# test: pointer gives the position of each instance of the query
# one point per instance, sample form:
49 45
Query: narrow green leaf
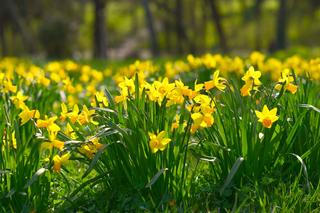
155 178
109 97
94 161
309 106
231 174
304 167
35 177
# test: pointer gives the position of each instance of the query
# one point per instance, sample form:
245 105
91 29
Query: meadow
202 133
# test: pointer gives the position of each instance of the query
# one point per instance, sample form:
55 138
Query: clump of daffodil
8 87
257 59
194 62
158 90
28 114
142 68
69 131
53 142
99 100
73 115
127 89
58 161
19 99
64 112
89 149
216 82
209 61
314 69
48 123
158 142
286 82
86 116
178 94
267 117
201 112
176 123
175 68
252 82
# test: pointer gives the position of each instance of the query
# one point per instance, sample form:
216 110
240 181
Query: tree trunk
203 26
150 25
99 40
2 39
20 24
216 17
281 37
257 14
193 40
180 30
167 35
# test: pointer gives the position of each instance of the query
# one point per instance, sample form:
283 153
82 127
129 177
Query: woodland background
119 29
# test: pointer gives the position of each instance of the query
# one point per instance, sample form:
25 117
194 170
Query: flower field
207 133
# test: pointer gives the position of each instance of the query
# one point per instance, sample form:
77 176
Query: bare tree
100 35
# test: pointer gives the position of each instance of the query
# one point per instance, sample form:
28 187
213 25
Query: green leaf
35 177
231 174
309 106
304 167
155 178
95 160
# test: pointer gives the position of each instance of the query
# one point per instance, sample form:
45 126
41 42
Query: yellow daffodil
158 142
101 100
216 81
48 123
252 82
58 161
266 117
28 114
53 142
201 120
86 116
64 112
18 100
90 148
9 87
70 132
73 116
286 82
176 122
252 77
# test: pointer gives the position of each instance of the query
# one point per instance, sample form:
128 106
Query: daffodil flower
158 142
18 100
286 82
48 123
28 114
266 117
216 81
58 161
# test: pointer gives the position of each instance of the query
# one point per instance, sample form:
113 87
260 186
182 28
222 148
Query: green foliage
234 165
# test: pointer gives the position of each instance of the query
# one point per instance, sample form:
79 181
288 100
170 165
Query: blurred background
120 29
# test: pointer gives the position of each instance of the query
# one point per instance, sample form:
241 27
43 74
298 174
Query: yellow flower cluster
74 87
252 82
